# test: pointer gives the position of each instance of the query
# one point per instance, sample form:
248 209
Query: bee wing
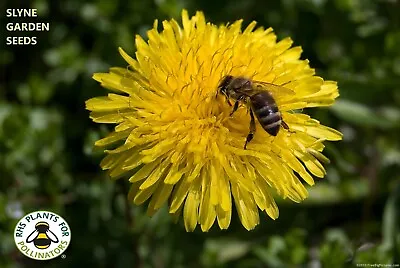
32 236
275 90
52 236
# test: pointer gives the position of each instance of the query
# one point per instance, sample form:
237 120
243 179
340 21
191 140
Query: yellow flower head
177 140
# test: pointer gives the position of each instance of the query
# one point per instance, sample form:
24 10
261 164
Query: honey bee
259 97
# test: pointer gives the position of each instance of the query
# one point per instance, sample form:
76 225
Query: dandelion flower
177 141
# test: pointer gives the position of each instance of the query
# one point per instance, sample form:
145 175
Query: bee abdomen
270 119
271 123
42 243
266 110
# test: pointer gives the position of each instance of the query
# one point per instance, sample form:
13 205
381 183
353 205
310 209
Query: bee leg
235 107
285 126
252 128
237 104
226 97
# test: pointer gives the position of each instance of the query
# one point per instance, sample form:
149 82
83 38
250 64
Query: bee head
42 227
223 85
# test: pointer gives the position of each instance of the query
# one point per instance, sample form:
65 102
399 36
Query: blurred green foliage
47 159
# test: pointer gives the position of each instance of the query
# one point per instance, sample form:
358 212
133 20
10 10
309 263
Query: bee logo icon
42 236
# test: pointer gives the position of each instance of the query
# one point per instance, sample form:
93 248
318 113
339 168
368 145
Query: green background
47 158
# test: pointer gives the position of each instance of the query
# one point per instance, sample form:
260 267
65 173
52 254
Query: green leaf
391 222
362 115
227 249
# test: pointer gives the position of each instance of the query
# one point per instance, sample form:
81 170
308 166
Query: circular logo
42 235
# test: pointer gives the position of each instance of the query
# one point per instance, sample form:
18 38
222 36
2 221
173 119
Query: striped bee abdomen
266 110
